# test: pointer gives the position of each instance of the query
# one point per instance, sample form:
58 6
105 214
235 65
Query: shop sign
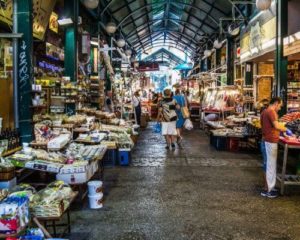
291 44
49 66
41 14
86 44
54 52
238 52
95 60
53 24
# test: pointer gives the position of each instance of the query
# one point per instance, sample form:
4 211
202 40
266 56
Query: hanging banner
42 10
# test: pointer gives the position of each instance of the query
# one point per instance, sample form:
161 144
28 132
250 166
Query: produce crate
124 157
220 143
233 144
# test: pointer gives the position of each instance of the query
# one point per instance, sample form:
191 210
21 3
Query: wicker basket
54 209
7 173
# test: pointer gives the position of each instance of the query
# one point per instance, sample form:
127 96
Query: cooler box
124 157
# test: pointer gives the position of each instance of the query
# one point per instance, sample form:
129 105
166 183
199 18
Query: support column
208 64
229 61
281 61
71 34
25 68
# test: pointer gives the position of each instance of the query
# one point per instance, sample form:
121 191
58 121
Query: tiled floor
191 193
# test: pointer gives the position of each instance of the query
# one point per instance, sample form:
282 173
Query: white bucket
95 187
95 201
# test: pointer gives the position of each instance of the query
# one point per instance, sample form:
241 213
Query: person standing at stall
109 103
137 107
167 116
269 145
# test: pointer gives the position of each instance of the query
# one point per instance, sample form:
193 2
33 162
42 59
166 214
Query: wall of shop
293 16
265 69
6 102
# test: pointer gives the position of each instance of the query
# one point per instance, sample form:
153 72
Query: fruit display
290 117
294 126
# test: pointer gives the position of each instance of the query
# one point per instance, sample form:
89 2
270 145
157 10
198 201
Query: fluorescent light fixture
65 21
94 43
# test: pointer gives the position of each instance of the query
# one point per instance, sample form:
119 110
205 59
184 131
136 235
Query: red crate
233 144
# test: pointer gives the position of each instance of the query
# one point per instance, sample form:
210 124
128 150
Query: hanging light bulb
128 52
217 44
263 4
110 27
91 4
234 29
121 42
207 53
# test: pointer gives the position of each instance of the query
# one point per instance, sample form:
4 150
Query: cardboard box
76 178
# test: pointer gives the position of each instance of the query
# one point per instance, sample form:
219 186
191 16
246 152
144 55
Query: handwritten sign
23 66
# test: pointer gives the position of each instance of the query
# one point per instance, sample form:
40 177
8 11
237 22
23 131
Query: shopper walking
167 115
180 100
137 107
109 103
269 145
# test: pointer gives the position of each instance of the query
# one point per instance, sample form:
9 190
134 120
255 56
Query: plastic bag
188 125
157 128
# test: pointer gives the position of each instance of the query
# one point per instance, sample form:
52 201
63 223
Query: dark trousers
138 113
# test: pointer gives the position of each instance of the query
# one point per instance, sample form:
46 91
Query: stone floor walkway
191 193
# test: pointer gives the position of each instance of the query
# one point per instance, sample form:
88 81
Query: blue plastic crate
124 157
110 158
220 143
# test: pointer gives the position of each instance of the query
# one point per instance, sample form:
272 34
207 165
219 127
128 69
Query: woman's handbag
185 112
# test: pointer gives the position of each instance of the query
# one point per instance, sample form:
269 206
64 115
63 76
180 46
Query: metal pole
15 65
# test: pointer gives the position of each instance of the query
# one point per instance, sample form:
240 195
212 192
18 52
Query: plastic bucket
96 201
95 187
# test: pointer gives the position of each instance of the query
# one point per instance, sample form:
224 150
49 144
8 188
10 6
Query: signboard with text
41 11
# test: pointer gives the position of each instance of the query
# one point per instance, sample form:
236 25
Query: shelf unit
293 87
97 92
248 91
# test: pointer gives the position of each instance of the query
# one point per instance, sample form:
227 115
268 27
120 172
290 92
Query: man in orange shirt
270 136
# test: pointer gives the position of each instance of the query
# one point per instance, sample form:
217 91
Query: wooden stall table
283 178
55 222
87 142
98 175
38 145
10 152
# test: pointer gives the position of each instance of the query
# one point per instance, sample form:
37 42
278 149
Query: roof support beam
167 31
183 4
189 51
191 15
208 13
181 22
166 16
